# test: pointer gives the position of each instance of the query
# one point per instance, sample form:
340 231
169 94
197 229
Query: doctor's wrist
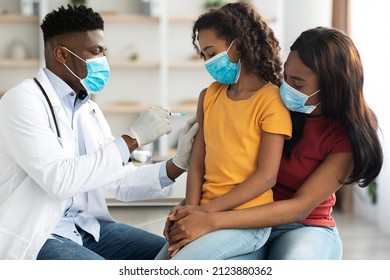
173 171
131 143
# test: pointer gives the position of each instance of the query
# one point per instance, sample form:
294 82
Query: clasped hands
185 224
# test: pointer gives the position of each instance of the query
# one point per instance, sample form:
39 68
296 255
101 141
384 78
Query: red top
321 136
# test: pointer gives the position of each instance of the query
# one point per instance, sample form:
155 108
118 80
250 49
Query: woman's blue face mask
295 100
98 73
222 69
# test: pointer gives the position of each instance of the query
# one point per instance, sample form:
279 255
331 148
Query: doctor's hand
184 146
151 125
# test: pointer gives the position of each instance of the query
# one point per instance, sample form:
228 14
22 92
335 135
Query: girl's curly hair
258 48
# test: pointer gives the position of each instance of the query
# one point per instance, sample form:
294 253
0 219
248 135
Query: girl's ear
235 51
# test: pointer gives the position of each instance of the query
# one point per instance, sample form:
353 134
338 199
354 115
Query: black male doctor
58 157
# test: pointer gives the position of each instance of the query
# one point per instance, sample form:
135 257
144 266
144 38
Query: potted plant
213 4
78 2
365 202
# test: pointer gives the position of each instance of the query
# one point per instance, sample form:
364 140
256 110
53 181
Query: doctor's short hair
73 19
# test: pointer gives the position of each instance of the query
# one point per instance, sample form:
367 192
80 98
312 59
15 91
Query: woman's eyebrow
206 48
298 78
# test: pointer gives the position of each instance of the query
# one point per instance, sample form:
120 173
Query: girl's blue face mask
222 69
295 100
98 73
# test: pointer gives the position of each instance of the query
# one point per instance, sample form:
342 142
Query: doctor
58 156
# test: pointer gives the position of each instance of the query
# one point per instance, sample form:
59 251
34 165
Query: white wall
300 15
293 17
370 32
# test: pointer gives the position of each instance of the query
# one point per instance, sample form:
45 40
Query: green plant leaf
372 192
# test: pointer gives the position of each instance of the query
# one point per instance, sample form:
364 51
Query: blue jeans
220 245
296 241
117 242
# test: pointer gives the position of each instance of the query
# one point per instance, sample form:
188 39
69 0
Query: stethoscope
81 95
50 106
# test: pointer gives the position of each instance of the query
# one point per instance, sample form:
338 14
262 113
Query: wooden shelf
18 18
269 19
134 18
178 64
18 63
184 108
151 202
134 64
192 19
126 18
123 108
129 108
189 64
182 19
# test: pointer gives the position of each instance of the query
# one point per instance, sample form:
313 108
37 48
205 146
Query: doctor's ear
60 54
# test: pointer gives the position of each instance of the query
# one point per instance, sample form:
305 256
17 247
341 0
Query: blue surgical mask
98 73
222 69
295 100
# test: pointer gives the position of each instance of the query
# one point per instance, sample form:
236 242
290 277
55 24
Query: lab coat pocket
12 246
93 133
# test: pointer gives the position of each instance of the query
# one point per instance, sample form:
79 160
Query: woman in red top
334 143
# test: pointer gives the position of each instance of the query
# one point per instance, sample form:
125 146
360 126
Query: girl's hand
179 212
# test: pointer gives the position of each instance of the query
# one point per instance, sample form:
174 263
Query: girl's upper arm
196 166
270 154
199 109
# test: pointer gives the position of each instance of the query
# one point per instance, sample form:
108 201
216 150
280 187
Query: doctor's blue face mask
98 73
222 69
295 100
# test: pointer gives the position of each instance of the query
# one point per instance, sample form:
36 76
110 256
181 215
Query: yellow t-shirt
232 135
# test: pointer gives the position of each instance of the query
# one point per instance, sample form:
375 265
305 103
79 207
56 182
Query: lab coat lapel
92 134
94 138
64 125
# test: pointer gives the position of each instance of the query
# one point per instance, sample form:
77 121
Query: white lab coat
39 171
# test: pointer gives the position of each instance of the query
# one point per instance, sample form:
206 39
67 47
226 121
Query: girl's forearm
254 186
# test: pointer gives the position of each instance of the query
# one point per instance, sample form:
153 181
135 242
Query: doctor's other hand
151 125
184 146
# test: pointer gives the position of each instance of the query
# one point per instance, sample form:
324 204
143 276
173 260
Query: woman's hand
170 221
